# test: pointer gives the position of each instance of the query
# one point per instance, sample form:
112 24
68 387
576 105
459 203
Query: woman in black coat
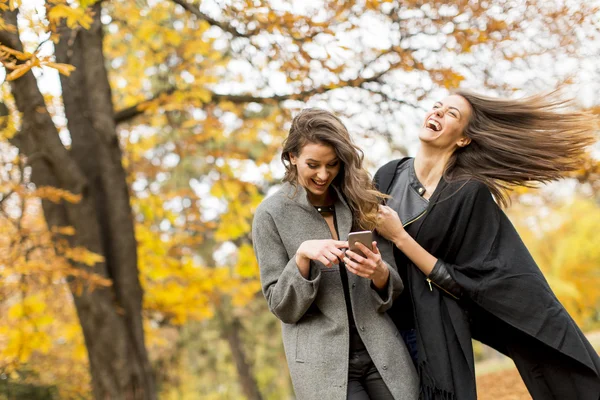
467 271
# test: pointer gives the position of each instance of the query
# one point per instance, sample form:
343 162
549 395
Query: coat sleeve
288 293
383 298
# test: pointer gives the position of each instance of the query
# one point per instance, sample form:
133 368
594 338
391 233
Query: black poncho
507 304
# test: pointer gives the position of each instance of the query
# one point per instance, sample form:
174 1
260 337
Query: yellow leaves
30 315
86 3
64 230
73 16
245 293
83 255
7 127
56 195
247 266
31 306
563 242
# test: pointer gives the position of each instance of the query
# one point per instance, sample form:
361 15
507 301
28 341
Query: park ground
499 379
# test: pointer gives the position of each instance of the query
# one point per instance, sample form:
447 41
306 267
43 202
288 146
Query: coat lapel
342 209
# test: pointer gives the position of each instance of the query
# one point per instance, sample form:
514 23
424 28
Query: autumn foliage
138 137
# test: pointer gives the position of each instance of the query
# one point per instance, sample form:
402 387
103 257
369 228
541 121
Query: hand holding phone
371 267
364 237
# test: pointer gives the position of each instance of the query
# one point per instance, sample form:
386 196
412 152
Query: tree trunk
110 317
231 332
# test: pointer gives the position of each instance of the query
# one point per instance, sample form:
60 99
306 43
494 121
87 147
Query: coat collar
298 194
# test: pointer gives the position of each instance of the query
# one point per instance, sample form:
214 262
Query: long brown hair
520 142
313 125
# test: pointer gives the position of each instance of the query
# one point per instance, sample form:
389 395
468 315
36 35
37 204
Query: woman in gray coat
338 339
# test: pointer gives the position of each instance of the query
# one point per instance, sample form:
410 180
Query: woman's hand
389 225
326 251
371 266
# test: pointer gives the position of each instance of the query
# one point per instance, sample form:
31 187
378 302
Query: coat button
384 367
421 190
362 328
353 285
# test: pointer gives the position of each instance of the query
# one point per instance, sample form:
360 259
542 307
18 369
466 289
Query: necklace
325 209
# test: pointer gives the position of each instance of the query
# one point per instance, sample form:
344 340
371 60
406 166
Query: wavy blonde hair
313 125
519 142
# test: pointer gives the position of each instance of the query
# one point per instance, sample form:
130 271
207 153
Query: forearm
417 254
290 295
435 270
381 281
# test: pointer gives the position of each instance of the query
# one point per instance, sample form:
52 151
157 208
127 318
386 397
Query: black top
356 342
408 201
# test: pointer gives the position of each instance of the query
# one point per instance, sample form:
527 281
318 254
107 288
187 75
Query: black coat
508 303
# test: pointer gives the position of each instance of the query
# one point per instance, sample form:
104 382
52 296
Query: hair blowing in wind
520 142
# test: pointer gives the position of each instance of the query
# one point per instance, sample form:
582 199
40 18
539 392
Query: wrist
300 258
381 281
400 239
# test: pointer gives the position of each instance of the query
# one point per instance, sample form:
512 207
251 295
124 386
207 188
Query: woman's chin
427 135
318 189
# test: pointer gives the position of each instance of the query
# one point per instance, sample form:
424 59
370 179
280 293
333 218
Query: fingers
372 254
375 248
340 244
355 257
331 258
323 260
365 250
336 251
328 259
358 269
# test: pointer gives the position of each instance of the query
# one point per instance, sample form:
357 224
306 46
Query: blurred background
137 138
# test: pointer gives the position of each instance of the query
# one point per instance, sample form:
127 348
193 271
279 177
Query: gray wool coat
317 344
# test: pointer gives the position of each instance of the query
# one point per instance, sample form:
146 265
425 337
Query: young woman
339 341
467 272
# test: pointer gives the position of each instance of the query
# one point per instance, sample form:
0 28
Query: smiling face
444 125
317 165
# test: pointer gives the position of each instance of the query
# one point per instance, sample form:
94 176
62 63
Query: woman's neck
430 165
322 200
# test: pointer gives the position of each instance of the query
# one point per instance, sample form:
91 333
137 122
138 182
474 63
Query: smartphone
364 237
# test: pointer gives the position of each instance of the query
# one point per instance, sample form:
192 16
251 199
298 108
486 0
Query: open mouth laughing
433 125
318 183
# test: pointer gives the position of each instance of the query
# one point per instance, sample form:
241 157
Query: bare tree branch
129 113
222 25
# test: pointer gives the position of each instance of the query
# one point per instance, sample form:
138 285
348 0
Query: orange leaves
447 78
64 69
31 60
56 195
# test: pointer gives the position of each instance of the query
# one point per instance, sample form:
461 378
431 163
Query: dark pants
364 381
410 339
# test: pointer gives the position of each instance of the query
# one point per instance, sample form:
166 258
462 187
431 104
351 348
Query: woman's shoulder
468 189
277 201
